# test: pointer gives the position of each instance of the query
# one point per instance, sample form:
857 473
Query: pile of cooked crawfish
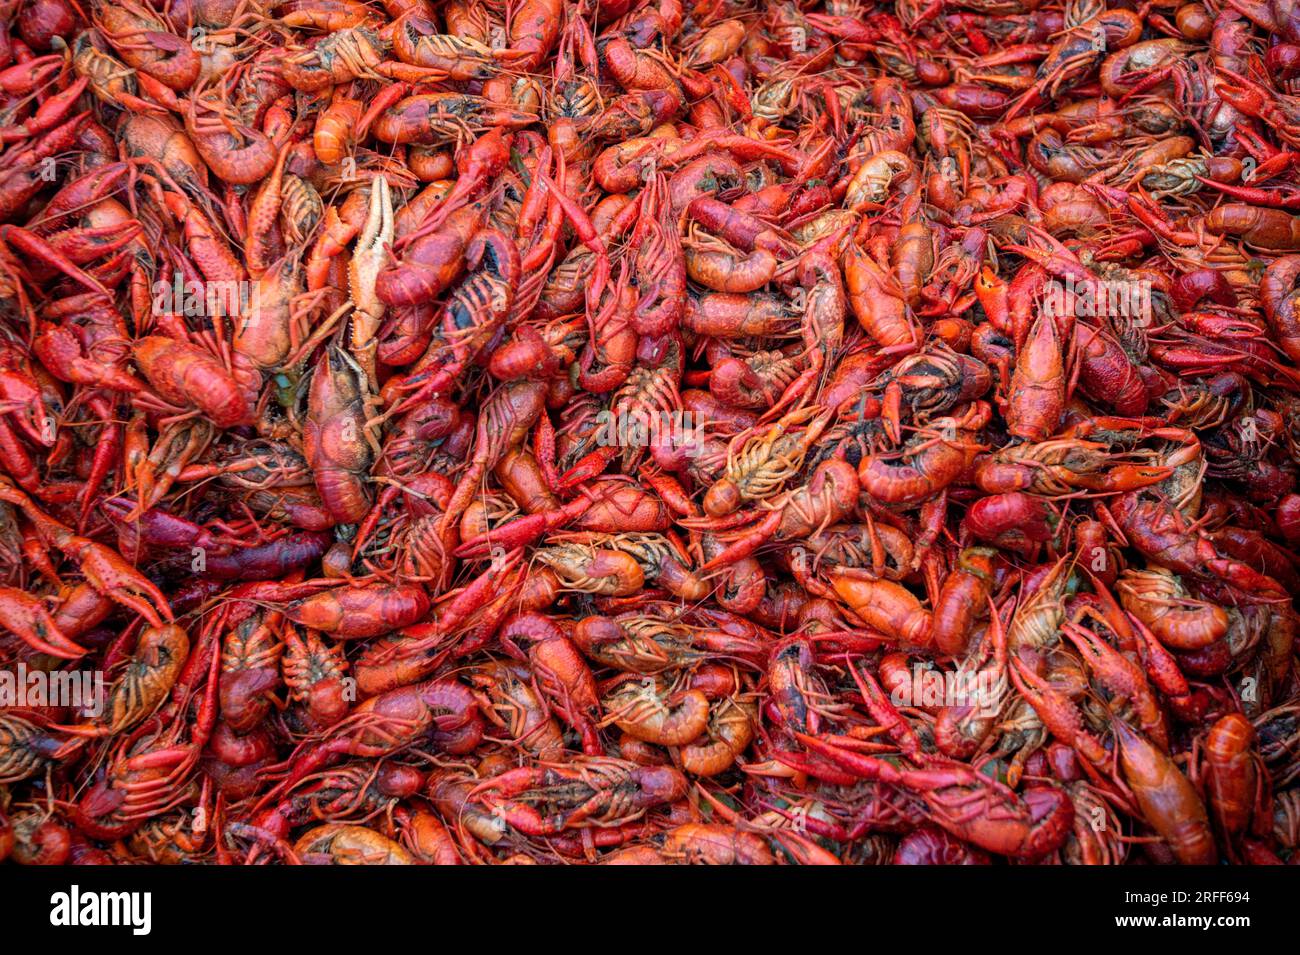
649 431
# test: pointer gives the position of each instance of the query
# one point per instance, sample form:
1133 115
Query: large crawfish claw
119 581
24 615
369 257
370 254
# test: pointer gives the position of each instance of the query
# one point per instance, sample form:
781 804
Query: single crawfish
661 267
339 844
1236 780
266 334
967 803
1120 681
507 699
354 792
961 730
588 792
151 770
186 375
361 610
412 539
430 263
883 550
765 462
236 153
478 307
932 382
660 561
301 210
717 264
144 41
732 725
1168 801
1091 844
1077 53
335 59
590 569
828 497
650 394
1039 616
35 836
26 750
651 710
430 119
416 41
450 793
1157 598
335 436
714 844
886 607
1164 535
1037 397
443 712
798 693
929 461
637 643
171 839
758 380
608 357
1059 466
111 80
963 597
145 682
313 670
250 669
505 419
